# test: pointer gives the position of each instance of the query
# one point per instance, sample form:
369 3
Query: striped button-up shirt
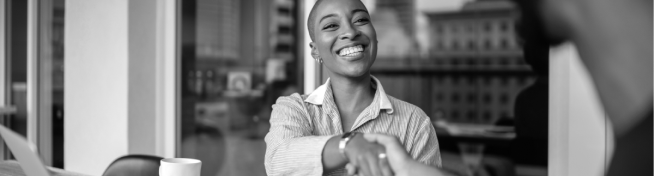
302 124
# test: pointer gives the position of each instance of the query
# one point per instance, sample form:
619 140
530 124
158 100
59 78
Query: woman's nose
349 32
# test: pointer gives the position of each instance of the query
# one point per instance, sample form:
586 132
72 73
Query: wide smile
353 52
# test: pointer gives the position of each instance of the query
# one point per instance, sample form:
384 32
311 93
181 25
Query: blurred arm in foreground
614 41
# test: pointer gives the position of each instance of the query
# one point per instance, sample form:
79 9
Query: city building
474 69
478 51
283 37
480 27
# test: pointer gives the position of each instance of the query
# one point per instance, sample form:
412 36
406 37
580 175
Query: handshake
381 155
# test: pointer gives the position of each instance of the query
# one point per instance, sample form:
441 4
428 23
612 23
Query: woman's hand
366 158
398 158
400 161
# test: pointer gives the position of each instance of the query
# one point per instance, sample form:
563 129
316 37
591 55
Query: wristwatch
344 140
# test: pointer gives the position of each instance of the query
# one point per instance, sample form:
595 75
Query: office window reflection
237 57
49 75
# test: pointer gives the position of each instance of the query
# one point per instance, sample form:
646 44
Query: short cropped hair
312 16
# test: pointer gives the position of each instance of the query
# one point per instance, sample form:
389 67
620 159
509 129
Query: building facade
474 69
479 46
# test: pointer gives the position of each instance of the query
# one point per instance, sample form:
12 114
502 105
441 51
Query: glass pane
17 56
50 65
238 56
56 70
51 70
470 76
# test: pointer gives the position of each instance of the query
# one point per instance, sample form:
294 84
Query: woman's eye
362 20
329 26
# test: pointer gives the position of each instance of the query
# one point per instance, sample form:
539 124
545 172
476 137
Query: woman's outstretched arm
400 161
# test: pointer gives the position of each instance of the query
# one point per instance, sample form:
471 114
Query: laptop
28 159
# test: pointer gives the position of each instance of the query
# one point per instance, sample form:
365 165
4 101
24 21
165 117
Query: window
455 98
33 65
488 45
438 29
487 27
472 97
504 44
504 27
238 57
471 45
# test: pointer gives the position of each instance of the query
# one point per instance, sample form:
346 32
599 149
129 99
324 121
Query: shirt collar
317 96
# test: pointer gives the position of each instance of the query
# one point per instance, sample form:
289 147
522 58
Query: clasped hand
366 158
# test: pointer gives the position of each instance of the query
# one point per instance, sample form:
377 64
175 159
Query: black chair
134 165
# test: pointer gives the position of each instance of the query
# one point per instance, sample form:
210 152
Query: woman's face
344 37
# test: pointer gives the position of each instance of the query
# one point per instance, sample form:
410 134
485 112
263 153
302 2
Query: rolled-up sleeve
291 149
425 147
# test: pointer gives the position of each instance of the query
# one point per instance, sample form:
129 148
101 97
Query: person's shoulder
293 99
403 107
400 104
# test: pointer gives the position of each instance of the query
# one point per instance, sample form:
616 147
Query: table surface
12 168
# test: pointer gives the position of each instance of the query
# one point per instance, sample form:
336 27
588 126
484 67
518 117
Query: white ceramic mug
180 167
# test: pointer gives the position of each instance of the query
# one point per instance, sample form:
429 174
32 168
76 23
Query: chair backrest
136 165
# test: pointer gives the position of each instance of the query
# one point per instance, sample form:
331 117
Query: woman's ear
314 51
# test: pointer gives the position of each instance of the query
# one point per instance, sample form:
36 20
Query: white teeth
350 50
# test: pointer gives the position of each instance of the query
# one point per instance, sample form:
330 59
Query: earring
319 60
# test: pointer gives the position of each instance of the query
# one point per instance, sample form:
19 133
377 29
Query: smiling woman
315 133
337 37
